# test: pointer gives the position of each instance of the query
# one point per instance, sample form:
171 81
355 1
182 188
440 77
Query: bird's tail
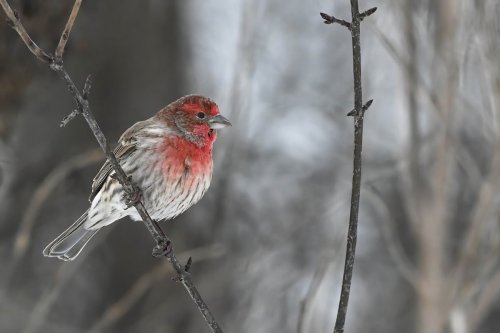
71 242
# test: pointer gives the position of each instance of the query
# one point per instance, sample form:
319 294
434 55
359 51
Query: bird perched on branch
168 156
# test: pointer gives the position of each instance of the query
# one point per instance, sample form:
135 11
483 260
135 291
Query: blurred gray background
268 239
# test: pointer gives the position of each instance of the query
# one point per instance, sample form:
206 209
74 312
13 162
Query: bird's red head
196 118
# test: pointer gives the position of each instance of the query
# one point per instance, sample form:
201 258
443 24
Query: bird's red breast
180 156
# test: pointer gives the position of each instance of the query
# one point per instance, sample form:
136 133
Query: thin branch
359 111
67 31
14 23
86 87
65 121
330 19
164 245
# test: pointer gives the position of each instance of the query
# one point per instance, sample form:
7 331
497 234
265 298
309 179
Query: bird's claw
134 198
162 249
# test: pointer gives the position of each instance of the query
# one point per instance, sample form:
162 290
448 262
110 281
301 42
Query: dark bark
358 114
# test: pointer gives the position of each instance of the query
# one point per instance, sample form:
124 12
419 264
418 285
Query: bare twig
329 19
87 86
65 121
13 21
67 31
164 245
86 92
359 112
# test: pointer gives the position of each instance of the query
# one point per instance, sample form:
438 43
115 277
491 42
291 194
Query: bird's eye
201 115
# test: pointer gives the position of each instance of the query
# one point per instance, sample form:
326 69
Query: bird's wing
126 145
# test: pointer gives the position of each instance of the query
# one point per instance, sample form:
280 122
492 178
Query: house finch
169 156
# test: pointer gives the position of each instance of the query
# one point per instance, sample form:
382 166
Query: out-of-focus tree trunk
432 235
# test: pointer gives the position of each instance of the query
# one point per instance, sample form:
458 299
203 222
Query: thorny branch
164 245
358 113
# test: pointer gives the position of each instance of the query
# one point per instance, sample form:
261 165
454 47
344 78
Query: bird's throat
181 156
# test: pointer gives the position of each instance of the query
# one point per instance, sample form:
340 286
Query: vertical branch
358 114
356 174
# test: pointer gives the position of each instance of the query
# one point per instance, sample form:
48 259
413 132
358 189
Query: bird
168 156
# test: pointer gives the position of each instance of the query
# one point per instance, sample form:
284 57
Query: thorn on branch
162 249
331 19
363 110
187 267
367 13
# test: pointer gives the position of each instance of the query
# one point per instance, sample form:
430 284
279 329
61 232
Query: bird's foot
162 249
134 198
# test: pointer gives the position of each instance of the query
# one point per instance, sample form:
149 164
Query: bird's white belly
163 197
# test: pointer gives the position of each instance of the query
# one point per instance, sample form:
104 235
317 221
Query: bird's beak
218 122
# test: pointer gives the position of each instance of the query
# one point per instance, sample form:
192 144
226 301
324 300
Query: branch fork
86 92
330 19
